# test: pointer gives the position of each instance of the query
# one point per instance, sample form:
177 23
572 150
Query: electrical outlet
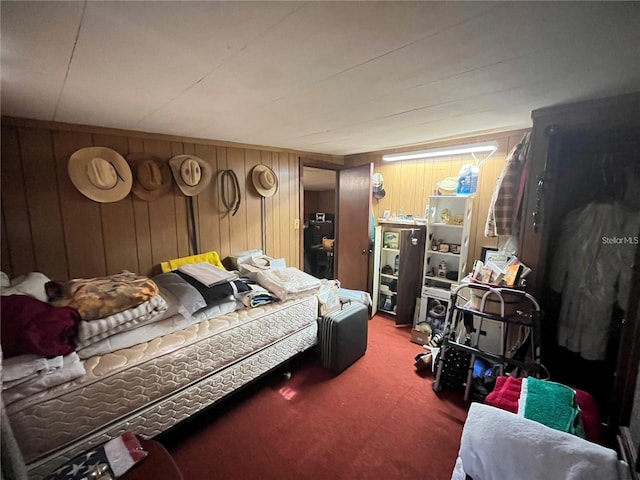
296 224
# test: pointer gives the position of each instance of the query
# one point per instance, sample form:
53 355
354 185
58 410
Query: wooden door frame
324 165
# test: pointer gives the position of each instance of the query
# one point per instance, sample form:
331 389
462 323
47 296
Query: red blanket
32 326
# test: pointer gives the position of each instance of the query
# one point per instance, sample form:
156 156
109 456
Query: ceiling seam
377 57
421 39
222 62
73 51
420 85
414 109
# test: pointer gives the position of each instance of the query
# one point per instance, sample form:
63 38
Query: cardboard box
421 338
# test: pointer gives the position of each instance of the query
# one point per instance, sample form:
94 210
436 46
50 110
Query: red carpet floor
378 419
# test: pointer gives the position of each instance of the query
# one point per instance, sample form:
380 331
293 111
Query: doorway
347 193
319 216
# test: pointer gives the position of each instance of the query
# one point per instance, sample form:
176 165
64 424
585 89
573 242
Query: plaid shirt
508 193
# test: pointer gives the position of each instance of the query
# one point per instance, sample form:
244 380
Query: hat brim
77 170
255 179
135 159
379 192
206 173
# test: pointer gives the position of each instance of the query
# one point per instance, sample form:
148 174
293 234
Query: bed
149 386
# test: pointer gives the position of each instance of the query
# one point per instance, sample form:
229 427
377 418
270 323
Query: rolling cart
480 302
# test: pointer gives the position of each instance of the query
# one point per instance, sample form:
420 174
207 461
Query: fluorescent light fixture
486 147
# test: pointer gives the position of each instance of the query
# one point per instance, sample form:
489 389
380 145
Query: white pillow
31 284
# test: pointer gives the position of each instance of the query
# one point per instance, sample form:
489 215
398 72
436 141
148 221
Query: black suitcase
342 336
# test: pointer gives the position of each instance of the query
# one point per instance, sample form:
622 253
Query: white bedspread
499 445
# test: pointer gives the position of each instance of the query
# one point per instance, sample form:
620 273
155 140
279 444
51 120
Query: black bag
483 384
455 368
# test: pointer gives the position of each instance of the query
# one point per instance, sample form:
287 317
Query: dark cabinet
399 253
579 154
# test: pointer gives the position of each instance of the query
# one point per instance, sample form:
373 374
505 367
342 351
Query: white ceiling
327 77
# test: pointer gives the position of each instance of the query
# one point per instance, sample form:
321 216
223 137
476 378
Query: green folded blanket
551 404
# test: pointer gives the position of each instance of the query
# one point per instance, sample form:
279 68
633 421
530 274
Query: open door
352 236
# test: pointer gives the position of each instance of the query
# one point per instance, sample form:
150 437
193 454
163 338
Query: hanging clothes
508 193
592 270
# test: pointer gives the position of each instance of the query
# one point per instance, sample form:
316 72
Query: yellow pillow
211 257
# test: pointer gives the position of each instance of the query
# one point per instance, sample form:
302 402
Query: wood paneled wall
319 201
48 226
408 184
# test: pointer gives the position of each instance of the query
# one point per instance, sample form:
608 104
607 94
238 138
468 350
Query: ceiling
325 77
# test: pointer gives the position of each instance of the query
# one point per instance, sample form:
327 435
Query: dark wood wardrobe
581 153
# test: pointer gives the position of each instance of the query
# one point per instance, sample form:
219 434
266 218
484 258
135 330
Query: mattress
159 328
151 386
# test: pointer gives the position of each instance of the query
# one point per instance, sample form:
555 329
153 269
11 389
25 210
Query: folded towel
551 404
506 393
256 296
72 367
288 282
27 365
497 445
207 274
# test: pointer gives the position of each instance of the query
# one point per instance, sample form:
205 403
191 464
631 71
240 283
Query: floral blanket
100 297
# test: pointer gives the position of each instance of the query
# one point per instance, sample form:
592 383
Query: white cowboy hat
152 177
378 186
100 173
264 180
192 174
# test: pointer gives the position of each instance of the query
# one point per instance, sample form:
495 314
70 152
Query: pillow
114 458
187 298
32 284
218 292
211 257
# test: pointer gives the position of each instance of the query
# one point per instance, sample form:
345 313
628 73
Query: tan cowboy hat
101 174
192 174
152 177
264 180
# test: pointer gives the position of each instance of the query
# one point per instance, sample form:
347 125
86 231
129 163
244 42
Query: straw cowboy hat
101 174
192 174
152 178
264 180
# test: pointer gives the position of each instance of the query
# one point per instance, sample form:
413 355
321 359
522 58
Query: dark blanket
218 292
32 326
